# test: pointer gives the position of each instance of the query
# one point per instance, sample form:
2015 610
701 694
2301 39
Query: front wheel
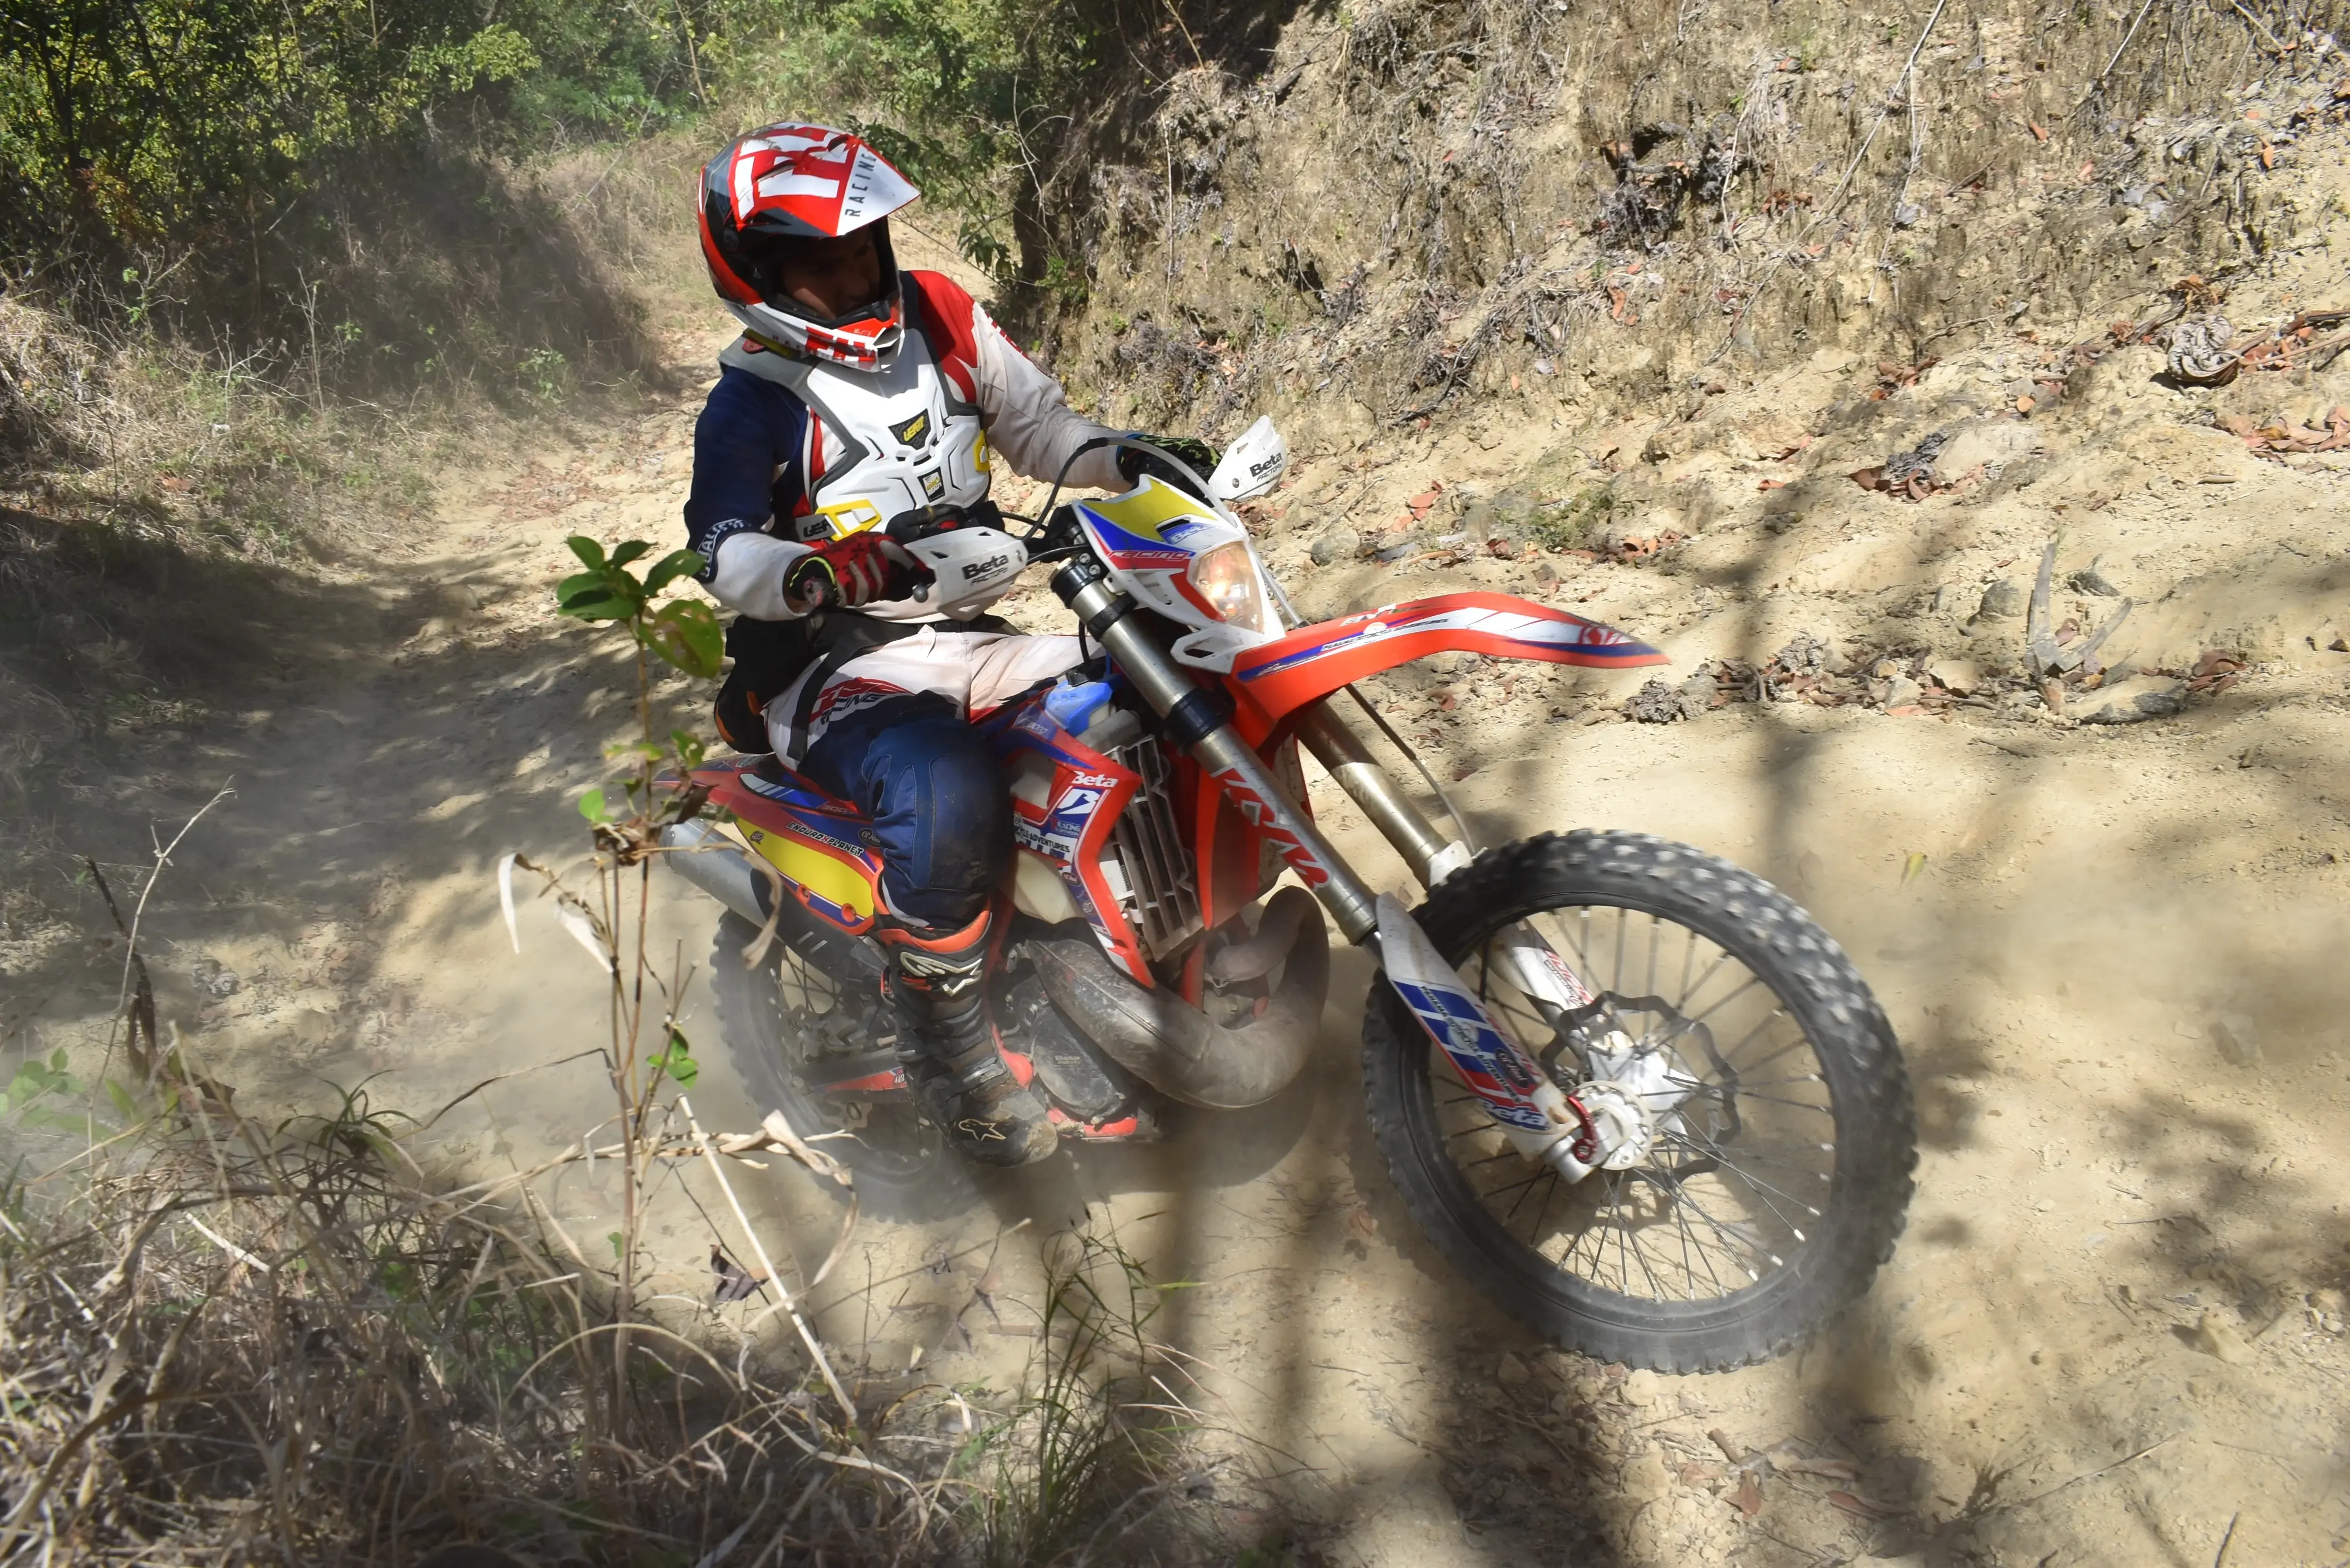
1775 1163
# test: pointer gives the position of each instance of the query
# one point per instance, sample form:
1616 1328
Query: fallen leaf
1772 484
506 898
1748 1500
2025 405
2037 133
730 1280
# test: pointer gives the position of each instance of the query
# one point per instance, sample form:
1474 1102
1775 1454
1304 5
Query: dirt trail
2116 1322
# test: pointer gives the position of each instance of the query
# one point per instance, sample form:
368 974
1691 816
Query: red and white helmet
784 183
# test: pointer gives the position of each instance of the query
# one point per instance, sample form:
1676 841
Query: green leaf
123 1104
599 604
686 633
691 750
590 553
644 749
592 807
634 550
57 1061
677 1061
669 567
614 1239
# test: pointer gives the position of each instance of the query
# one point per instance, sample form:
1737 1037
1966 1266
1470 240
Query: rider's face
833 276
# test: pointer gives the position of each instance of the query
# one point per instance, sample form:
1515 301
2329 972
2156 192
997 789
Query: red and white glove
843 573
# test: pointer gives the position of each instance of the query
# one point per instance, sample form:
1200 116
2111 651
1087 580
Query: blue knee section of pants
937 800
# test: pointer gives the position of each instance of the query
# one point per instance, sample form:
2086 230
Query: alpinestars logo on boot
948 977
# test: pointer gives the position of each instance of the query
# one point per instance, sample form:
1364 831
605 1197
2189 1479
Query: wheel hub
1633 1098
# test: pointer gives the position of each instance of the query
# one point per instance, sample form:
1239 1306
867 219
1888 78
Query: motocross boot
938 986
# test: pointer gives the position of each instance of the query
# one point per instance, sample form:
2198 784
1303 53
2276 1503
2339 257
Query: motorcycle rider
861 397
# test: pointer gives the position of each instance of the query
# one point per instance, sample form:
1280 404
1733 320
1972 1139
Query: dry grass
293 1344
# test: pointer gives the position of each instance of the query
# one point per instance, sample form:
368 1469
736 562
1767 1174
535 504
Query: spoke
1514 1186
1729 1236
1541 1216
1797 1104
1656 1287
1615 1210
1689 992
1747 1177
1776 1213
1751 981
1714 1150
1798 1044
1656 940
1682 1220
1688 962
1615 979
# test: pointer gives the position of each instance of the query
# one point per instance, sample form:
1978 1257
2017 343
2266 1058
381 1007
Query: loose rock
214 978
2238 1037
2215 1336
1963 676
1642 1388
1339 544
2002 600
1513 1373
1646 1479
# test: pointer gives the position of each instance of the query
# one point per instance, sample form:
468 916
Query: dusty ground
2114 1328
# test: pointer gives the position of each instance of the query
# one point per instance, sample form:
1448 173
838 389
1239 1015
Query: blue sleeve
748 429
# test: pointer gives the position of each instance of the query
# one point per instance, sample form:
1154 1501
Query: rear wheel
788 1024
1773 1166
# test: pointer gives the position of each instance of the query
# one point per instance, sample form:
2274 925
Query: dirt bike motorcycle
1629 1090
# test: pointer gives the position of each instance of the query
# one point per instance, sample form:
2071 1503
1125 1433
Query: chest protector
879 442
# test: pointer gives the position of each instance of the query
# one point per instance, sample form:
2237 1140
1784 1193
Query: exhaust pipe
1175 1047
709 860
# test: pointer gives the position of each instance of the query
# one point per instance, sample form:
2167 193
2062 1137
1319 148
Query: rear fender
822 846
1312 661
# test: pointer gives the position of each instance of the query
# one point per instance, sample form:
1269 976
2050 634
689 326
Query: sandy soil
2114 1329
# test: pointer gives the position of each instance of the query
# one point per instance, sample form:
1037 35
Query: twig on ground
784 1300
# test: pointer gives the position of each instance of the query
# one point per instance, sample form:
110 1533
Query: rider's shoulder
941 294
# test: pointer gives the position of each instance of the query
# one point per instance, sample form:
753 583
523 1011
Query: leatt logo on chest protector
934 485
913 431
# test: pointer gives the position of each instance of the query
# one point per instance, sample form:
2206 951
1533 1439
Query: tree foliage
150 124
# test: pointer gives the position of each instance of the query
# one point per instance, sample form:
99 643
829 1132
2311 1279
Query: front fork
1541 1120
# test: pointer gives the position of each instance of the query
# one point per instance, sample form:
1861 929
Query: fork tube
1336 747
1199 719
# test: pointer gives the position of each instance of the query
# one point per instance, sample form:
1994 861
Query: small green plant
35 1081
546 371
1568 524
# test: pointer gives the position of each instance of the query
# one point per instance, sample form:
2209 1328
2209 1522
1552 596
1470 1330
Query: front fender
1279 677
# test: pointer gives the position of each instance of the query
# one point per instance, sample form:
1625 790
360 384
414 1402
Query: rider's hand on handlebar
1134 462
843 573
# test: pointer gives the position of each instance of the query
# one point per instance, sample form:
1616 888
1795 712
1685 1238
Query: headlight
1226 578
